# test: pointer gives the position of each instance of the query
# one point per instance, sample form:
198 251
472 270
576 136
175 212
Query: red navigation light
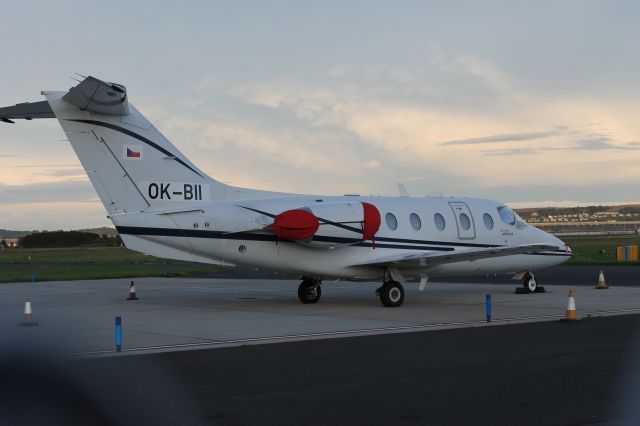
295 225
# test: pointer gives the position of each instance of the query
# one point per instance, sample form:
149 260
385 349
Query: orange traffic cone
27 318
601 282
570 315
132 292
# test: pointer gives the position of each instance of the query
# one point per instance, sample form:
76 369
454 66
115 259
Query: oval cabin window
392 222
415 221
438 219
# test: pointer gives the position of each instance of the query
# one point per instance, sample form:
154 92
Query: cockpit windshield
507 215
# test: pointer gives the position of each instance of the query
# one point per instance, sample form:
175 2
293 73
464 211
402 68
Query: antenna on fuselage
402 190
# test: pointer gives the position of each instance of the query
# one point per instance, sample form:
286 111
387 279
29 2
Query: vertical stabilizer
132 166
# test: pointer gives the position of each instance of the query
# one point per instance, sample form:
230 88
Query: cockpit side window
507 215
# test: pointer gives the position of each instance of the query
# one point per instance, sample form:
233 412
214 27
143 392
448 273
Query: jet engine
329 224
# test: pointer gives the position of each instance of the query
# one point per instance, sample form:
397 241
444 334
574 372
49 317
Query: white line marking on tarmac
215 344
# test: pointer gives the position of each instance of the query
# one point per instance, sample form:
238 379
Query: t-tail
131 165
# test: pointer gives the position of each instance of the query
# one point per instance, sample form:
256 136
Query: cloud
49 192
47 166
599 143
53 215
71 173
512 137
511 151
392 114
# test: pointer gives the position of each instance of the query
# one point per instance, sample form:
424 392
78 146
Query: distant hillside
625 212
105 230
5 233
545 211
57 239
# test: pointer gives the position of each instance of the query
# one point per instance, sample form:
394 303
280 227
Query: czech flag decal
132 152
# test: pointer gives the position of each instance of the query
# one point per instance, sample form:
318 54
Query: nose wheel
309 290
391 294
529 282
530 285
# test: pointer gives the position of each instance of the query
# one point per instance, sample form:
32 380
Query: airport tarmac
187 313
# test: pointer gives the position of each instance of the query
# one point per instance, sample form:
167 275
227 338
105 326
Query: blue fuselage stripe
140 138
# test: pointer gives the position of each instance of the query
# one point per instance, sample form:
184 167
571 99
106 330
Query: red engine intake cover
371 221
295 225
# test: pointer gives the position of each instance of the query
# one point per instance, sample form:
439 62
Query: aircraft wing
425 259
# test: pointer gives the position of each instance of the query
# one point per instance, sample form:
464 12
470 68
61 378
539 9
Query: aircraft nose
562 245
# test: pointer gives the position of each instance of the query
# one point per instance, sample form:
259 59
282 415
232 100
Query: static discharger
132 292
27 318
602 284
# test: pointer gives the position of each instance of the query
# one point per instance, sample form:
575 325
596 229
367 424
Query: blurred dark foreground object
41 385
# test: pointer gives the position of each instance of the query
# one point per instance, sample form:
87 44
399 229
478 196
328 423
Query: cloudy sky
524 102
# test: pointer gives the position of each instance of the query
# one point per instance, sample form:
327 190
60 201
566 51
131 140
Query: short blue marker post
164 269
488 306
33 277
118 334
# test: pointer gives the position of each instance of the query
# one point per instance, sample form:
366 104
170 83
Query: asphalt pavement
550 373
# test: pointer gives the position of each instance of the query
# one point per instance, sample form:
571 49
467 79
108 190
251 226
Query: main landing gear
391 294
309 290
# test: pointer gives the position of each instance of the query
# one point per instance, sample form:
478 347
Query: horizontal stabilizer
99 96
27 111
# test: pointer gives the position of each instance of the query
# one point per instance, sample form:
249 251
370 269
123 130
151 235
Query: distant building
10 242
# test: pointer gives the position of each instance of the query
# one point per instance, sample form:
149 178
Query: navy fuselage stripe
192 233
550 254
139 137
387 239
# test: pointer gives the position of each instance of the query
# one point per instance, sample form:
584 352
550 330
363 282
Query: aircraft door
464 220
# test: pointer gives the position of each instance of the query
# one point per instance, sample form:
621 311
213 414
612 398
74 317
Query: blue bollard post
488 306
118 334
164 269
33 277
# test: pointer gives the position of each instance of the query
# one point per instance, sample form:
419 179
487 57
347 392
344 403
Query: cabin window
507 216
439 221
415 221
392 222
465 222
488 221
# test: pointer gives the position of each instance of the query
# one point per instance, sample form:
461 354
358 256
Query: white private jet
165 206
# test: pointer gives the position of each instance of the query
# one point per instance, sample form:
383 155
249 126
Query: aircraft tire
309 291
529 282
391 294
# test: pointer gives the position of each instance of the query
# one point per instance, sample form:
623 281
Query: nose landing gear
529 285
529 282
309 290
